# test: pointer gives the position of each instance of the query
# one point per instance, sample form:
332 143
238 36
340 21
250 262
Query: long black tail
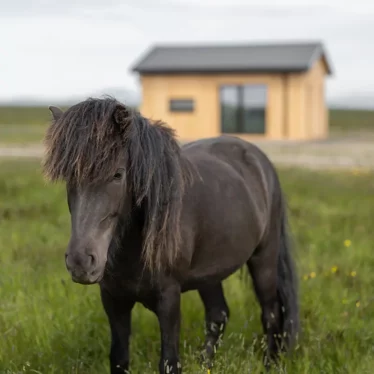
288 284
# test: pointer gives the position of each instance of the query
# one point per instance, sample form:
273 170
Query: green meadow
50 325
23 125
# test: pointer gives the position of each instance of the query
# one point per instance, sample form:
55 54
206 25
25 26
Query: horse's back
244 157
233 160
225 147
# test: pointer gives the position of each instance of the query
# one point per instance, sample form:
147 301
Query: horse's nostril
81 262
92 260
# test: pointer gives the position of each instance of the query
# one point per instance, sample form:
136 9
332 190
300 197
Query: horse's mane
84 146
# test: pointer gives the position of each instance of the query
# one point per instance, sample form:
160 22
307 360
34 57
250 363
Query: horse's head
96 201
112 158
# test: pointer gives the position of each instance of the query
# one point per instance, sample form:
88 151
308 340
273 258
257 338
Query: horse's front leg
119 316
168 313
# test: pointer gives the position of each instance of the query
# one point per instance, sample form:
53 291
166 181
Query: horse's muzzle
84 269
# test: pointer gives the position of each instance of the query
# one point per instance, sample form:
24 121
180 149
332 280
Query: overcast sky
53 49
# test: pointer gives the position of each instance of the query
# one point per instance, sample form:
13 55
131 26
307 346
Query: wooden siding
296 106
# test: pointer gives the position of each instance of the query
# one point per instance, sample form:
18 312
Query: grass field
50 325
21 134
343 121
20 125
23 115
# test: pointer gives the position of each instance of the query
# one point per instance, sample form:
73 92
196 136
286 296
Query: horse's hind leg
216 317
263 269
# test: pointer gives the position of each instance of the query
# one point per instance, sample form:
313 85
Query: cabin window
181 105
243 108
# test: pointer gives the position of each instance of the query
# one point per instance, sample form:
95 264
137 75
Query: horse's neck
189 170
128 237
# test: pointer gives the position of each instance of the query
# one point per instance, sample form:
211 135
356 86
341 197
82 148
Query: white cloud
57 49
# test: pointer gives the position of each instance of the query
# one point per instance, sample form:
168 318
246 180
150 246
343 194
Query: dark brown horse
151 219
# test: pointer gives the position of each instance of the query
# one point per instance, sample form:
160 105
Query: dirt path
317 155
30 151
343 153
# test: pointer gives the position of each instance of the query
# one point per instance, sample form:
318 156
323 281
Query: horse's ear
122 116
56 112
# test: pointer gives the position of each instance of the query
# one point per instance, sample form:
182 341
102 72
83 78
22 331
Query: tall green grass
50 325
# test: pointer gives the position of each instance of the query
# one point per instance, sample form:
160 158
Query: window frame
240 108
173 105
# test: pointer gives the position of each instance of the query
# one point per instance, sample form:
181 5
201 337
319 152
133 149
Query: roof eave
135 68
321 53
219 71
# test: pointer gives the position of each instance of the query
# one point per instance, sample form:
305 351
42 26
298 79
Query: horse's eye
118 176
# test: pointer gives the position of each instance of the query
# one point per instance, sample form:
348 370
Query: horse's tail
287 284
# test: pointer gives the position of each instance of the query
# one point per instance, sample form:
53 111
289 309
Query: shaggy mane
84 146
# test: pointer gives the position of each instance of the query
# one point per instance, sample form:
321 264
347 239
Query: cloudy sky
55 49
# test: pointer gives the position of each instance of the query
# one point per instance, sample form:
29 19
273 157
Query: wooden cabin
273 91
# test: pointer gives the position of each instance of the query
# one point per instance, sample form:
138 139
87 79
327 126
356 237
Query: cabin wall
295 103
204 121
317 111
306 104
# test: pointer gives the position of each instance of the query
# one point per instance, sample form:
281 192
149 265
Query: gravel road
337 153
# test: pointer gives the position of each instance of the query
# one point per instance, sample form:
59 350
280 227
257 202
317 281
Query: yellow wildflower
334 269
347 243
353 273
313 274
357 304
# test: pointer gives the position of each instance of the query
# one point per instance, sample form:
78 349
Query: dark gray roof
274 57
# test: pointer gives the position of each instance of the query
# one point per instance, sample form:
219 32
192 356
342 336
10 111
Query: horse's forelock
84 146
